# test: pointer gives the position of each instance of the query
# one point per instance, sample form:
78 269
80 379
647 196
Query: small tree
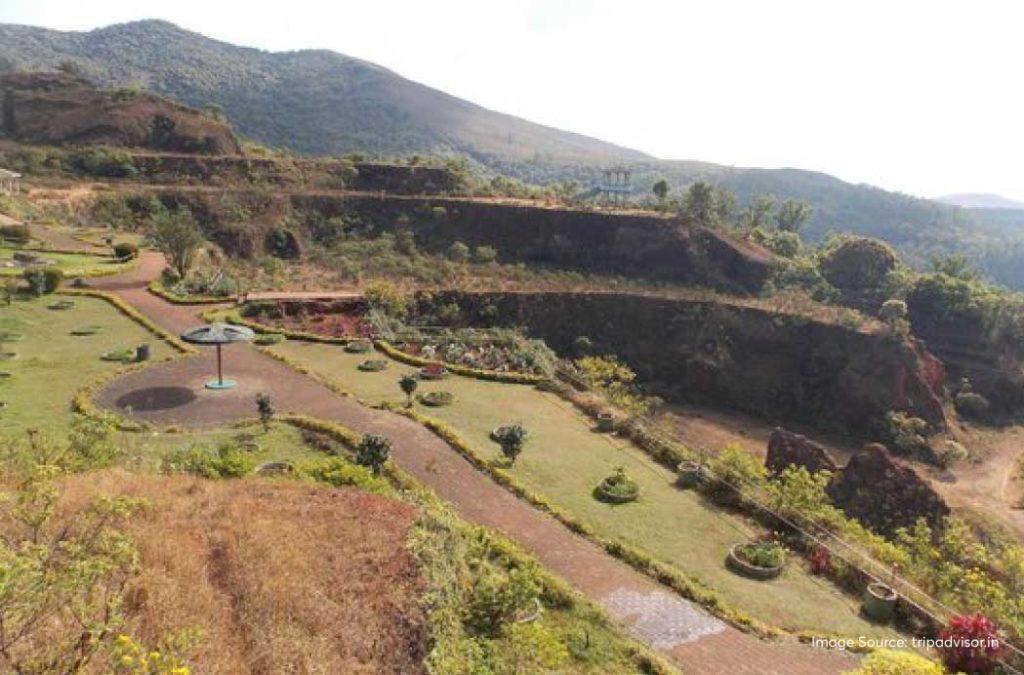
792 214
374 451
265 408
511 439
177 236
408 383
458 252
660 190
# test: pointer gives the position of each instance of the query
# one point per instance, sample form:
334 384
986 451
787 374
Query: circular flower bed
436 399
5 375
123 355
433 372
373 365
86 330
757 560
359 347
617 488
8 356
61 305
11 337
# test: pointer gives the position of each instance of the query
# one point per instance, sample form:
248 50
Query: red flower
973 645
821 560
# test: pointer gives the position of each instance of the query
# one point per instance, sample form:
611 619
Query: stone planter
359 347
879 603
690 474
605 422
740 566
617 489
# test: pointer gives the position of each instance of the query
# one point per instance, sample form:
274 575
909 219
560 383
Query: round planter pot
690 474
879 602
743 568
605 422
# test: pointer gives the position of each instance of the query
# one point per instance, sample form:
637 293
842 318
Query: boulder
786 448
884 495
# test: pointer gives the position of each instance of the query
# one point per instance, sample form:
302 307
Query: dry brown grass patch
281 577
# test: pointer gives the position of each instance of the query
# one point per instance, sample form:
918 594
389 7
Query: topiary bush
125 250
373 365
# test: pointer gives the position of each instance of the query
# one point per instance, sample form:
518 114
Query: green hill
324 103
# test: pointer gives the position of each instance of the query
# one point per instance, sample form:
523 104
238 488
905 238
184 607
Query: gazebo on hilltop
9 182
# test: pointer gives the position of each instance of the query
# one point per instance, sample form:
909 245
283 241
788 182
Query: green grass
564 459
72 264
51 364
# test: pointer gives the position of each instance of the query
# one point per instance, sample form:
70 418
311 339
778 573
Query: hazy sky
922 97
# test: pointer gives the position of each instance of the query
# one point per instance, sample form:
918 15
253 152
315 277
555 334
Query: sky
921 97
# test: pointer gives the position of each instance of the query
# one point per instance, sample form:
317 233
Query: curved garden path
171 394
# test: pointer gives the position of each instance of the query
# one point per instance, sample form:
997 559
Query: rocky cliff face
788 449
774 365
646 246
61 109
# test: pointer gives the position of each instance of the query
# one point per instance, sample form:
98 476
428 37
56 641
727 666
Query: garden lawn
52 365
564 459
72 264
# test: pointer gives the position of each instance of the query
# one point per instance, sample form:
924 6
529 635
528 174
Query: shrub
484 254
265 408
952 453
228 461
408 384
893 662
762 554
511 438
374 451
458 252
907 435
43 280
125 250
976 644
14 234
340 472
387 298
858 264
972 405
734 473
497 598
373 365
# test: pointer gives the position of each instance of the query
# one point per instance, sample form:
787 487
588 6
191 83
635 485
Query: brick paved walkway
696 641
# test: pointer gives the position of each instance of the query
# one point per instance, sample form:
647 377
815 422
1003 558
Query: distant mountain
980 200
325 103
315 102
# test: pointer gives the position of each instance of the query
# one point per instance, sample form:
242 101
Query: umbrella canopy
217 334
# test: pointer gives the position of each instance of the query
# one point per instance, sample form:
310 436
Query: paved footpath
171 393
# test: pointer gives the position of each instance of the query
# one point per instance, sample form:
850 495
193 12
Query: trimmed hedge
159 290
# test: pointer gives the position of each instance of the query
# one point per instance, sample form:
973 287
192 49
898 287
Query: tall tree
792 215
758 212
699 204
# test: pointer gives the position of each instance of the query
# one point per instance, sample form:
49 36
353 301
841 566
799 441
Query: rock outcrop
786 448
884 495
63 109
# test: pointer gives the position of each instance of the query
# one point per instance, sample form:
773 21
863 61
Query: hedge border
133 314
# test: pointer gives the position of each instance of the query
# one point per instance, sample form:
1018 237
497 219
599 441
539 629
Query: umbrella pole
220 372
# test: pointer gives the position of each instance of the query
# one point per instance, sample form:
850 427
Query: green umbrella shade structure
218 334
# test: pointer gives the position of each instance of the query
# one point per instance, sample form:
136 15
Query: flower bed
373 365
433 371
124 355
8 356
617 488
359 347
757 560
497 355
86 331
61 305
436 399
266 339
11 337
